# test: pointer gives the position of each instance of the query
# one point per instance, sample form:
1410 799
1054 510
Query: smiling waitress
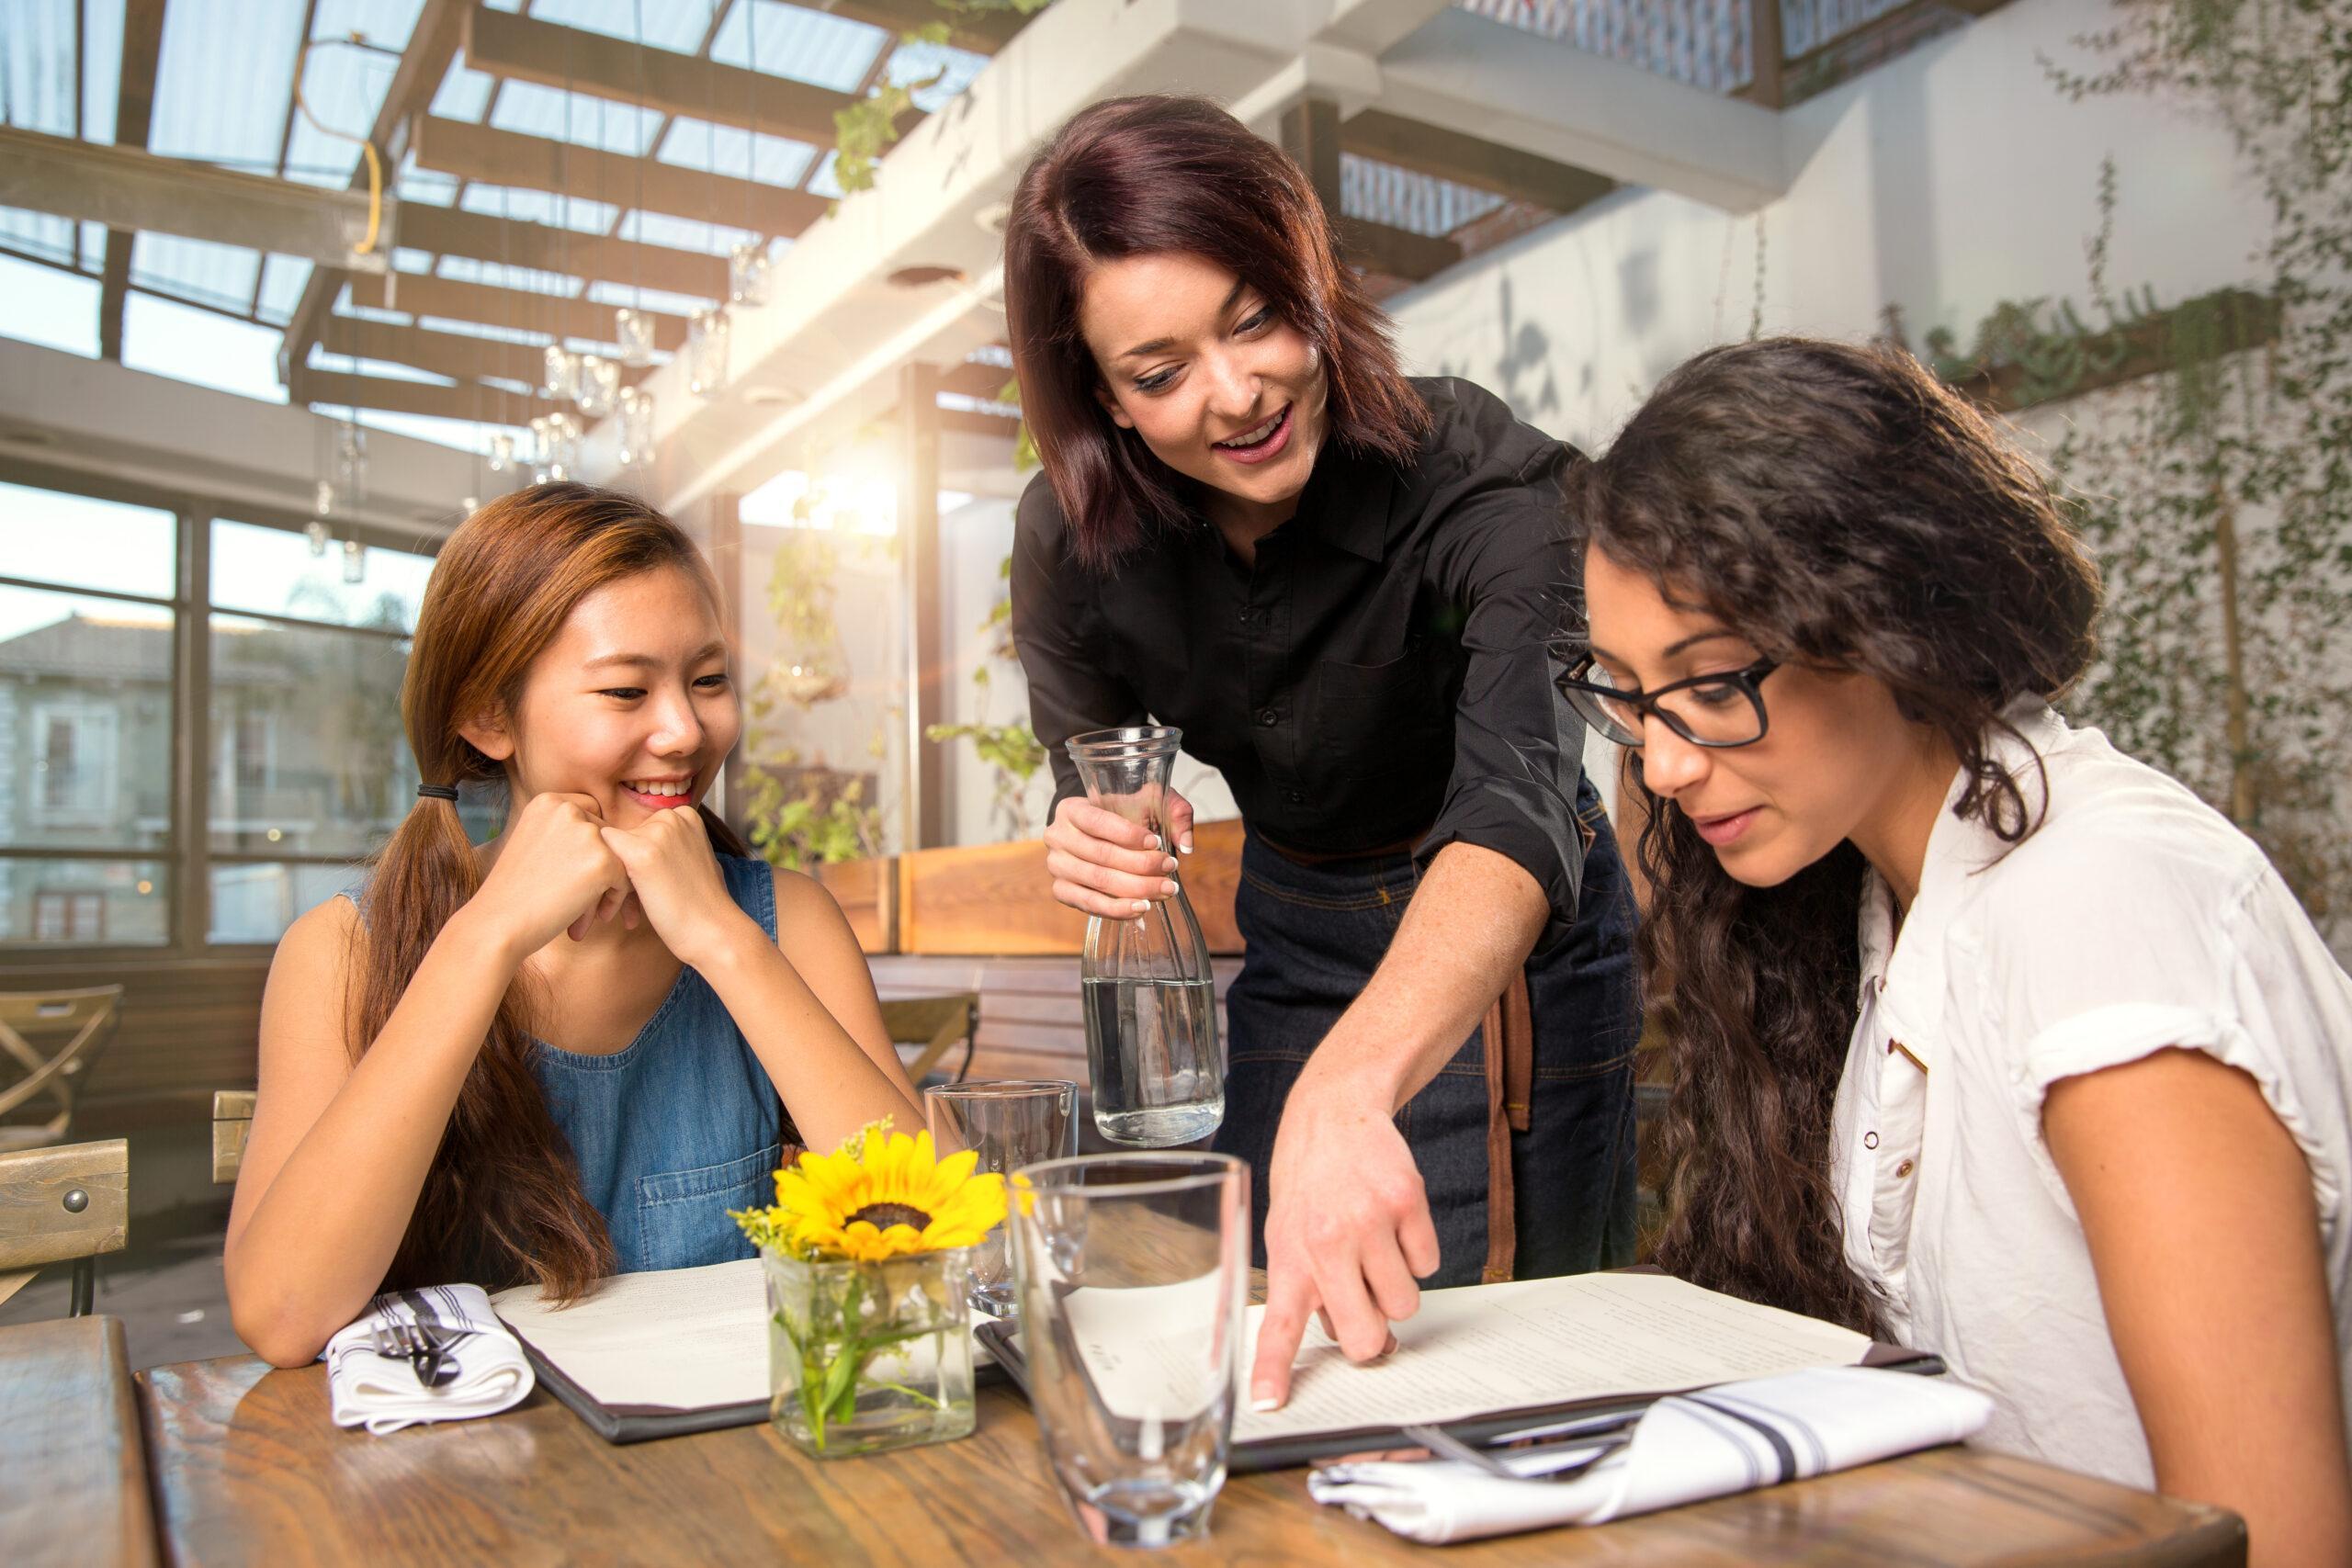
1341 584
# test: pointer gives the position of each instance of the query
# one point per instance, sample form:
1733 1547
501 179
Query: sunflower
881 1195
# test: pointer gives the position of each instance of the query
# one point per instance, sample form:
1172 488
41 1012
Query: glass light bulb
706 351
597 386
560 373
316 532
746 274
633 330
354 561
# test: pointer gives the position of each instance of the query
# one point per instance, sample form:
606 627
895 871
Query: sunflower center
882 1216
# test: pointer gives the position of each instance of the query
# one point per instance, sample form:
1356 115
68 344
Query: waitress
1341 583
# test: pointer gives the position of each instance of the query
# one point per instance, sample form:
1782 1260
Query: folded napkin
1720 1440
382 1392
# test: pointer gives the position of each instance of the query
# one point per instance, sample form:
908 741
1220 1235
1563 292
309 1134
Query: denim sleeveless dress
679 1127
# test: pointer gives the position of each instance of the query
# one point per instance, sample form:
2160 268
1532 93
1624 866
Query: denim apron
680 1125
1314 934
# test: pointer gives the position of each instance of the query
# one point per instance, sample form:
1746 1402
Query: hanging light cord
375 160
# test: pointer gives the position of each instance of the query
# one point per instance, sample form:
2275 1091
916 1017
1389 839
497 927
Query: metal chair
934 1024
84 1020
73 1202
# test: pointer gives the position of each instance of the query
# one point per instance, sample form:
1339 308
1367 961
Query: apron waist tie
1509 1033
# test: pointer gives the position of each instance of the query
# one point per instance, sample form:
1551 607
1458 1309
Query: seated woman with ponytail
1985 1036
569 1052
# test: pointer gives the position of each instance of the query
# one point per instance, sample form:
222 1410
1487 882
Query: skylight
42 305
210 350
800 44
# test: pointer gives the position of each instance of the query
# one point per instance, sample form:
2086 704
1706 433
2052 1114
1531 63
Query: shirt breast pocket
681 1220
1377 718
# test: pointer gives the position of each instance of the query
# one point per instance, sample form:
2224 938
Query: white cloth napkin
382 1393
1720 1440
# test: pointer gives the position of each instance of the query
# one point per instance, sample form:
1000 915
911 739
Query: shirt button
1296 796
1903 1170
1870 1139
1268 719
1245 617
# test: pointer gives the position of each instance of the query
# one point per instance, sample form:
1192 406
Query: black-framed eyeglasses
1720 710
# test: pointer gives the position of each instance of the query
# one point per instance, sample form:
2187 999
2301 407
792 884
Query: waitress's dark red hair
1147 176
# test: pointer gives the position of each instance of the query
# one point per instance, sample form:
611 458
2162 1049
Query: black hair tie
437 792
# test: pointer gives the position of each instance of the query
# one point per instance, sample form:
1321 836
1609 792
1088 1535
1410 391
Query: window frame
186 855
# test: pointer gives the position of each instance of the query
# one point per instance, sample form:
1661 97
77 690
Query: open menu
1479 1359
657 1354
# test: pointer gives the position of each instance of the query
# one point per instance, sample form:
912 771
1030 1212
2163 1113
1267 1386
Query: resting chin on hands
553 875
1103 865
674 879
1348 1228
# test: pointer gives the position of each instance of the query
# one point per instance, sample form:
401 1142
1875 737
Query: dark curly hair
1841 509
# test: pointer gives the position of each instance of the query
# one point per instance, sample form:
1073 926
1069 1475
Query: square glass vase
867 1357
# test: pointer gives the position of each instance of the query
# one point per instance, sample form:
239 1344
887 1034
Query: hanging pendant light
559 375
322 501
633 330
354 562
636 427
501 452
746 274
598 385
316 530
706 351
351 463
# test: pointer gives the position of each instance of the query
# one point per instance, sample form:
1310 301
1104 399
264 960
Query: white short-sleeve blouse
2135 918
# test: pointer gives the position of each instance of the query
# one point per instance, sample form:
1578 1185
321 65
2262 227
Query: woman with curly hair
1985 1036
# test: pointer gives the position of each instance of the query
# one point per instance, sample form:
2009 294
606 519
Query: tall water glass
1132 1271
1012 1122
1150 997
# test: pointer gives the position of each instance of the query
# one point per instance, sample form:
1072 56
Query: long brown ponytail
503 1200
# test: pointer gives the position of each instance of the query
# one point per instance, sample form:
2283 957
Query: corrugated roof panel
407 260
94 246
465 92
210 350
580 214
282 281
101 67
794 41
607 293
725 149
822 181
946 71
371 313
37 68
195 269
683 234
530 110
225 76
465 269
43 234
676 26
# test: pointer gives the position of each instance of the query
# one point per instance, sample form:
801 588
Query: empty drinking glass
1150 997
1133 1267
1012 1122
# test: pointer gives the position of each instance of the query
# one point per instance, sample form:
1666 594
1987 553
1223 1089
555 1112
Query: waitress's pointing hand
1104 865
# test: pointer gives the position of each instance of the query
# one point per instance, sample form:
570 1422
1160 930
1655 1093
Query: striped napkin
1686 1448
382 1392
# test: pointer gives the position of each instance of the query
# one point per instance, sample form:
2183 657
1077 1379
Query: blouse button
1268 719
1903 1170
1870 1139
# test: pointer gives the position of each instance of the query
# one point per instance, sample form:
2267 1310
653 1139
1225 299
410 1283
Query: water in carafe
1151 1031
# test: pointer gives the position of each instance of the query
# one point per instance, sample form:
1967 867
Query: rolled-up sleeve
1055 630
1518 748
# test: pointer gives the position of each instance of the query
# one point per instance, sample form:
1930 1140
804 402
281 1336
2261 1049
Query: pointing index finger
1290 1296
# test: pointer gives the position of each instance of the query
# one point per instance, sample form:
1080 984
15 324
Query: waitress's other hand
553 873
1348 1230
676 882
1103 865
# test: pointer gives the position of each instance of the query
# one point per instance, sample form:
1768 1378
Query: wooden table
248 1469
73 1475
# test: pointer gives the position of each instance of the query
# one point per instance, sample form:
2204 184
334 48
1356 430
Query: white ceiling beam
1502 84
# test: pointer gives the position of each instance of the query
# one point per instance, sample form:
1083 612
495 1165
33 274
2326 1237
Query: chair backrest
233 1122
934 1023
77 1025
73 1201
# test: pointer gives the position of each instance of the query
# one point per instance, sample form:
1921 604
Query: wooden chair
932 1024
84 1020
233 1122
68 1202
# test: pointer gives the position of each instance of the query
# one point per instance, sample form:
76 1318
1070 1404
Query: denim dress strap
680 1125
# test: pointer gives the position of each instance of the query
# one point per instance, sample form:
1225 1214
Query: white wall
1943 183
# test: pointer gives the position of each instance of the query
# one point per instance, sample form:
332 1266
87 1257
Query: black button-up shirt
1385 669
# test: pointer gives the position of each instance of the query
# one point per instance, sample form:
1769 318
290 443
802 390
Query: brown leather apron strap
1510 1034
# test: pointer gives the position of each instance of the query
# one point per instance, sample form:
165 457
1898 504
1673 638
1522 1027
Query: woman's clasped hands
564 869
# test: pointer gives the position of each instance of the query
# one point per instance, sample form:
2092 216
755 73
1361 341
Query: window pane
81 542
307 753
274 570
256 903
85 722
82 903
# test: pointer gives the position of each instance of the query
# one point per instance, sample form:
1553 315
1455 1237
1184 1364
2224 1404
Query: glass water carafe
1151 999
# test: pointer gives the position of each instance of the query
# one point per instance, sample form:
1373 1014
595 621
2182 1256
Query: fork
1445 1445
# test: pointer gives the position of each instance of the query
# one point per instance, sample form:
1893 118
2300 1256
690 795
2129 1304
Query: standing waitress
1341 584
